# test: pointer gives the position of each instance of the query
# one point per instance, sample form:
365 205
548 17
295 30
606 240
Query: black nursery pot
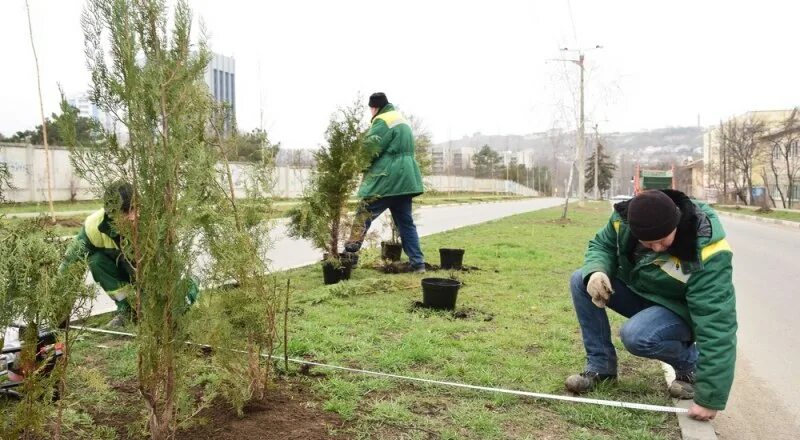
391 251
451 258
440 293
332 274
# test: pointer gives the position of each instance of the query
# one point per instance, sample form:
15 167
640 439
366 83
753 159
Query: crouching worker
663 262
99 243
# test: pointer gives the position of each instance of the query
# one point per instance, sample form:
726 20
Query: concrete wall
27 166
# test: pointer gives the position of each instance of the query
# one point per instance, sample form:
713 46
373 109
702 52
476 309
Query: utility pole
581 134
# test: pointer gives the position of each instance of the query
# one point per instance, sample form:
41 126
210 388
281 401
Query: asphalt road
287 253
765 399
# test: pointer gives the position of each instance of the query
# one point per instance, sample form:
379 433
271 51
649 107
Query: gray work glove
599 288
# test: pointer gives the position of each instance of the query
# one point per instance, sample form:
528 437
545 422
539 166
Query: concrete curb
690 429
756 218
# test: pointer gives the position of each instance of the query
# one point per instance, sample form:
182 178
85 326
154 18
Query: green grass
793 216
83 205
532 342
520 333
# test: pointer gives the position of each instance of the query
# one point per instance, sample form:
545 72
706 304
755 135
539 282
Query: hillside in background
649 147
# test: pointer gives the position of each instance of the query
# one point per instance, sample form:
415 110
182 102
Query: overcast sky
461 66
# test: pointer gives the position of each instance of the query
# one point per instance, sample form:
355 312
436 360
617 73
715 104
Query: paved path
287 253
765 400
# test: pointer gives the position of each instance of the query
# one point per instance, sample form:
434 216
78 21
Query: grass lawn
518 331
82 205
793 216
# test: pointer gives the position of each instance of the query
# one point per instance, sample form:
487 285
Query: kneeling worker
99 243
663 262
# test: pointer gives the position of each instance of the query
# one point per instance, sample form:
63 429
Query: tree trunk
777 180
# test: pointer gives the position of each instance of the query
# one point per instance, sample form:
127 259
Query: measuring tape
612 403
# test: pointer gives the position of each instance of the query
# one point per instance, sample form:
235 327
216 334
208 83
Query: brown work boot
683 386
587 381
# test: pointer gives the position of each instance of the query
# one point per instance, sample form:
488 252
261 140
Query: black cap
118 197
378 100
652 215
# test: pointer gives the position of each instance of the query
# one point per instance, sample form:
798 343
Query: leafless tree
44 121
742 142
784 156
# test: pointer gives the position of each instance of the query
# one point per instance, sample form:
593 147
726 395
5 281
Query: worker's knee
638 339
576 284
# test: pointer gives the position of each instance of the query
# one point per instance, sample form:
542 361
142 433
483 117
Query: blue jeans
400 208
653 331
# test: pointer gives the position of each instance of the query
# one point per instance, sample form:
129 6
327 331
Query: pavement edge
690 429
754 218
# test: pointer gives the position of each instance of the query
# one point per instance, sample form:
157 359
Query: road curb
690 429
754 218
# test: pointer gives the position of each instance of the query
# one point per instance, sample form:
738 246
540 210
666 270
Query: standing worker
663 262
392 180
99 242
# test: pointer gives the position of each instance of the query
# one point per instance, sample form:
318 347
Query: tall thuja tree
150 78
339 164
37 292
606 171
236 232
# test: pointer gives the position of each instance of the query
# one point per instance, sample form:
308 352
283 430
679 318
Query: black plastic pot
440 293
451 258
333 273
391 251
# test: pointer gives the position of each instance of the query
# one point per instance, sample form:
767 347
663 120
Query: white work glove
599 288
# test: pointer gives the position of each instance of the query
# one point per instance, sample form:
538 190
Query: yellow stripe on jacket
97 238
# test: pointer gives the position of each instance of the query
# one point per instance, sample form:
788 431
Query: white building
220 76
525 157
446 159
87 109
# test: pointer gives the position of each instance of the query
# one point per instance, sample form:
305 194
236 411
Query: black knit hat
378 100
652 215
118 197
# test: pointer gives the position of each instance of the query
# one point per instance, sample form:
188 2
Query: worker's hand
599 288
702 413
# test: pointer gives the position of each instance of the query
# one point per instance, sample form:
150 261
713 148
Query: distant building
525 157
451 160
220 76
720 173
88 109
689 179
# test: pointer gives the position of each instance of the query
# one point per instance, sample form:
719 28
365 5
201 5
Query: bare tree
784 156
556 138
44 121
741 138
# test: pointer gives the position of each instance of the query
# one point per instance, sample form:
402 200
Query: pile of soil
287 413
462 313
68 222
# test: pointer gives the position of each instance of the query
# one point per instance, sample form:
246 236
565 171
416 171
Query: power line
572 20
